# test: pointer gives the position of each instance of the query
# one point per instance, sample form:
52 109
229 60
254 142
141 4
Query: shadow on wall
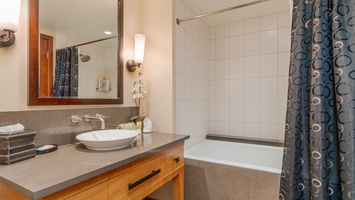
210 181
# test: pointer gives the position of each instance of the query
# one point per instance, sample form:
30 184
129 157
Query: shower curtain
319 153
66 73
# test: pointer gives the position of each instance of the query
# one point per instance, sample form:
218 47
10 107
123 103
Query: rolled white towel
10 128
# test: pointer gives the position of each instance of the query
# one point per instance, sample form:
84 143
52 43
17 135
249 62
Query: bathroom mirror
98 56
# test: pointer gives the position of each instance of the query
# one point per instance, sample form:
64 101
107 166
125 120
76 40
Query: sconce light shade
139 47
9 18
139 44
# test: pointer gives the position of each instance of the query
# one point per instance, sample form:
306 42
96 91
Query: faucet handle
99 115
75 119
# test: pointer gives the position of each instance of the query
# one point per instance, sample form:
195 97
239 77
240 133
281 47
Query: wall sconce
9 17
139 40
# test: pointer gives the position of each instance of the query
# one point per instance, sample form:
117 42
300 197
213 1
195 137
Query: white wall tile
237 46
237 112
212 64
269 64
212 127
222 128
268 22
212 88
83 75
188 113
188 88
252 66
281 132
282 83
222 48
281 111
283 63
268 89
252 130
284 39
195 40
284 19
212 49
268 41
92 79
252 89
180 87
222 69
237 88
180 114
180 54
222 31
222 110
268 112
180 35
212 33
252 111
194 65
236 68
252 44
188 62
252 25
236 129
188 36
237 28
222 90
212 107
269 131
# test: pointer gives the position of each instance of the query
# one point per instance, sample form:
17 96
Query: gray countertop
71 164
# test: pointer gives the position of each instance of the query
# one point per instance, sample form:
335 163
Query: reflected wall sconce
9 18
139 41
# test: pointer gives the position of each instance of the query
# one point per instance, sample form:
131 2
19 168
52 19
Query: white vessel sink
107 139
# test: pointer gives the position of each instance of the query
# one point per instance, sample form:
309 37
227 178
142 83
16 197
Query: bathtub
231 170
251 156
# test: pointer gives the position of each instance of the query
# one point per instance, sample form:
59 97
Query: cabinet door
138 181
174 159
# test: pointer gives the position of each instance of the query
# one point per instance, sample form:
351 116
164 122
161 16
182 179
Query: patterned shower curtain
66 73
319 153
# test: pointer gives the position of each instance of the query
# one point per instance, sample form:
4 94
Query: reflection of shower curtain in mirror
66 73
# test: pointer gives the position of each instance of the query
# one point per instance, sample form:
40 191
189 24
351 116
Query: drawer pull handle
140 181
177 159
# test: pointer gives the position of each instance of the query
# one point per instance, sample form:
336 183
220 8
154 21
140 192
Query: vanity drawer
138 180
174 158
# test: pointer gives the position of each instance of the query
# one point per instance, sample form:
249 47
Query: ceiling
264 8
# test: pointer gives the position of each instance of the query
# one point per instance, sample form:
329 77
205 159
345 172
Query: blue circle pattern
319 154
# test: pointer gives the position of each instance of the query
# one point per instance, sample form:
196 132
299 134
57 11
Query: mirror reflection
78 49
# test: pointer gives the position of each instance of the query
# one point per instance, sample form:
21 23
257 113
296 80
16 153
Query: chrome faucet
97 117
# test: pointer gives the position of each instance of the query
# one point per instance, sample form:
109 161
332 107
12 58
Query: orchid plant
138 90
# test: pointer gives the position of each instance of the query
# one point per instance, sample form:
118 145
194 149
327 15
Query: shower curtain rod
99 40
178 21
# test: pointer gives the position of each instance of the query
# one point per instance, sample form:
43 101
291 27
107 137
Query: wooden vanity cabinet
135 180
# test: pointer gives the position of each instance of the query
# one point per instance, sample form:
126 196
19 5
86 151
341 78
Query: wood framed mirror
36 97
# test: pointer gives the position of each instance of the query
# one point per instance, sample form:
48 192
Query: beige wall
158 23
14 62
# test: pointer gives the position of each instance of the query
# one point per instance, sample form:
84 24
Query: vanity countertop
71 164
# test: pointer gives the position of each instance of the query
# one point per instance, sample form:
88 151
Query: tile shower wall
192 76
103 62
248 77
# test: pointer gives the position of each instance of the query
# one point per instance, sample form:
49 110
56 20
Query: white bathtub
257 157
